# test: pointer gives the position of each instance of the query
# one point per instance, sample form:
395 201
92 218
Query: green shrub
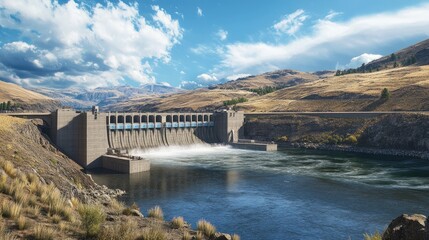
92 216
351 139
385 94
281 139
235 101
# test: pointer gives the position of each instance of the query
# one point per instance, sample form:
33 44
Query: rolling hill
211 99
320 91
26 100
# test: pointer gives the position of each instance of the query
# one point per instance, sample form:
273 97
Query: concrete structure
86 136
125 164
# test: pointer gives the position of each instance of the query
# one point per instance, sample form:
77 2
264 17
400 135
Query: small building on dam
96 139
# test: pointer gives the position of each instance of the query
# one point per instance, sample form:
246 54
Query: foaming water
380 171
292 194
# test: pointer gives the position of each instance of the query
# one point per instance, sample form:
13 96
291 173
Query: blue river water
289 194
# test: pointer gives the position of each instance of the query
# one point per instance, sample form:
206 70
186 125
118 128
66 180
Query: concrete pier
249 144
125 164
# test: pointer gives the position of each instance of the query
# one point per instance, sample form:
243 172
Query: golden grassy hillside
409 88
10 92
197 100
281 78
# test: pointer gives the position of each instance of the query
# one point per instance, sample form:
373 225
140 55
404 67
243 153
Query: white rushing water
380 171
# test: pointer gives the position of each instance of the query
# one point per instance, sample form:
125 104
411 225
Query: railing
151 125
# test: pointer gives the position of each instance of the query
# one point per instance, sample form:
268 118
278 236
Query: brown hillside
281 79
197 100
417 54
409 87
27 100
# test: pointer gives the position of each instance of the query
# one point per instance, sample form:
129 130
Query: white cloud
182 72
222 34
332 14
328 39
207 78
111 40
199 12
237 76
166 84
364 58
291 23
202 49
189 85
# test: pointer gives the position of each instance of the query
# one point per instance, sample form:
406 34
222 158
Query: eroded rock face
407 227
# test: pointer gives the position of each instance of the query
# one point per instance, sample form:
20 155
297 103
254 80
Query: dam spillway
145 131
86 137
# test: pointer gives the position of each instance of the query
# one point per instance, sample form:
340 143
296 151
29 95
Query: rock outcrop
407 227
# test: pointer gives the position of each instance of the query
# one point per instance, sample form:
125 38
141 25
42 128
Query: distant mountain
103 96
417 54
26 100
204 99
276 79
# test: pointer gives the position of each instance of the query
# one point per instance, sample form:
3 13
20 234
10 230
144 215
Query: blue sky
195 43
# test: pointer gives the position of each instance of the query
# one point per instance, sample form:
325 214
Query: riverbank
396 135
357 149
45 195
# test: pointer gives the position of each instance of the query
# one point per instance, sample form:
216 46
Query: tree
8 105
395 65
393 57
385 94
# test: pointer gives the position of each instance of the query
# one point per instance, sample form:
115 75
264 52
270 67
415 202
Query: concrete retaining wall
124 165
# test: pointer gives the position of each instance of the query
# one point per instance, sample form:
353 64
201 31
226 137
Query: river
289 194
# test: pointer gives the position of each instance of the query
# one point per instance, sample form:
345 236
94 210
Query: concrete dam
97 139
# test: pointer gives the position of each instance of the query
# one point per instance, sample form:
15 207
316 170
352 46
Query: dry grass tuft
117 206
375 236
178 222
34 210
5 235
235 237
56 218
186 236
43 233
92 216
3 183
9 169
32 178
21 222
153 234
199 236
74 202
207 228
156 212
124 231
10 210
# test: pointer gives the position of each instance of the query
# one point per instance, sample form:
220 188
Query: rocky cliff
398 131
